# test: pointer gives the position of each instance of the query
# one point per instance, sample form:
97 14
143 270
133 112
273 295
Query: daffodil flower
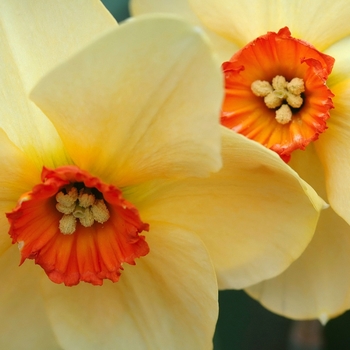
287 87
106 185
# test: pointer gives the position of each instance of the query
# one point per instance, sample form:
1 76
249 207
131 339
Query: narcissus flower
283 91
105 181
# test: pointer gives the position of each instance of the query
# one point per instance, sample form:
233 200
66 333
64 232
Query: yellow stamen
280 91
83 206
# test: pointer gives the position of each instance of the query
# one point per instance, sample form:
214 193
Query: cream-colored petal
34 37
181 8
24 323
255 215
320 22
18 175
167 301
341 70
223 48
308 166
142 102
317 285
333 149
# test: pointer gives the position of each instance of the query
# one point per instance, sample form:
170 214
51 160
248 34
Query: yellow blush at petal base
276 92
77 228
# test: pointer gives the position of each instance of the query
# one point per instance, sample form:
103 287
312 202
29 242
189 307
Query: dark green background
243 324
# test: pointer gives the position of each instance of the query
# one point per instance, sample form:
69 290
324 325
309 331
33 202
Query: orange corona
77 228
276 92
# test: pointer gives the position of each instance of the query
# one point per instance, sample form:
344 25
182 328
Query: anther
296 86
294 101
100 211
67 199
284 114
279 82
274 99
67 224
86 199
87 220
261 88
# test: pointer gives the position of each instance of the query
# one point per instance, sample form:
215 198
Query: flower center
80 204
280 91
276 92
77 228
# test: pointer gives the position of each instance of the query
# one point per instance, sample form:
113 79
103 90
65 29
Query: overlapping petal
316 284
18 175
243 21
333 151
167 301
31 43
256 205
24 321
333 148
222 47
115 104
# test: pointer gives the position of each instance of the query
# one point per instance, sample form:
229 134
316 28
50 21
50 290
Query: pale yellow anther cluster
278 92
81 205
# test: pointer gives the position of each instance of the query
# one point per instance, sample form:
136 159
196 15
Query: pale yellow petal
320 22
223 48
341 70
142 102
34 37
24 323
317 285
181 8
308 166
255 215
333 149
18 175
167 301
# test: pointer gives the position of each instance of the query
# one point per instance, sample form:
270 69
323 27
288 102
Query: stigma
276 92
77 228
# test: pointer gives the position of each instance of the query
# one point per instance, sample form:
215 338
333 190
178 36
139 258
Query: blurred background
244 324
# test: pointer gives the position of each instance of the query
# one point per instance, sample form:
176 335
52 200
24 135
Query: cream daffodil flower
110 168
316 285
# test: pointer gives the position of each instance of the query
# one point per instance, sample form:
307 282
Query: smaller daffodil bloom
122 187
287 87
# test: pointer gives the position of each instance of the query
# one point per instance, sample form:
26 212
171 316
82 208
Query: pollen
277 93
81 205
